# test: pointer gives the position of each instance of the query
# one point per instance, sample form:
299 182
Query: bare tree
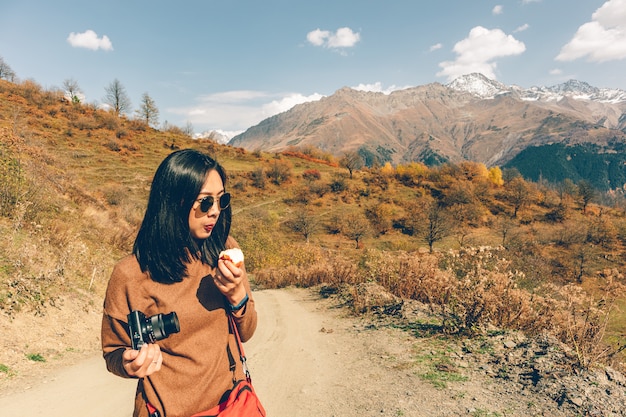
586 194
5 71
355 227
304 223
504 226
148 111
351 161
518 193
461 215
566 190
72 91
188 129
117 98
437 226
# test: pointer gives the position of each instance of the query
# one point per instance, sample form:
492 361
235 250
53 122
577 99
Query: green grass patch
440 379
35 357
6 370
440 369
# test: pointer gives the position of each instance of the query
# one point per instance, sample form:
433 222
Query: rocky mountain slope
472 118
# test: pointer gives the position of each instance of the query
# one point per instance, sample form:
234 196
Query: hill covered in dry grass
482 248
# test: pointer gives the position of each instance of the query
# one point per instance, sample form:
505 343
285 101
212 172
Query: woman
174 267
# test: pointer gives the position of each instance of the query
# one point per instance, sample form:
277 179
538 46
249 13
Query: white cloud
377 87
235 111
235 96
522 28
498 9
89 40
342 38
479 52
435 47
603 39
556 71
317 37
285 103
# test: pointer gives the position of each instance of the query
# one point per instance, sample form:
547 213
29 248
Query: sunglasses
207 202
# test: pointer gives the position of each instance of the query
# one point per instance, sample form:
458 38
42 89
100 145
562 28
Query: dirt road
304 361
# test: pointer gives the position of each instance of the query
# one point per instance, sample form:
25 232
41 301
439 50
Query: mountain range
472 118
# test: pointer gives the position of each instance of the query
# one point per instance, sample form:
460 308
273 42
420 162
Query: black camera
144 329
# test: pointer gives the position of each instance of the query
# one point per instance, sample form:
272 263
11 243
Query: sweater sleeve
246 319
246 322
112 350
114 331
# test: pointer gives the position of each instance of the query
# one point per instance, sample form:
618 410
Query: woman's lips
208 228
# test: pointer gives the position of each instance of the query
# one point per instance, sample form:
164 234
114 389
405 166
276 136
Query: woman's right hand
143 362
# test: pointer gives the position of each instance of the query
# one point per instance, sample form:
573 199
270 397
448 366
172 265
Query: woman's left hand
229 279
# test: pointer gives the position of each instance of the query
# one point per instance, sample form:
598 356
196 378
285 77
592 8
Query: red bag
242 400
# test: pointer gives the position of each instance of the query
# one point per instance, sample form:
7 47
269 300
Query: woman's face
201 223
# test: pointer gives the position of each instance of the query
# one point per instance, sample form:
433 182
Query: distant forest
604 169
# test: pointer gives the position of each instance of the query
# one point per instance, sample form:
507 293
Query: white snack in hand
235 255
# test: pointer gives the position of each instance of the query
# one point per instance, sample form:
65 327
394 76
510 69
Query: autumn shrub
381 217
257 177
311 175
279 171
582 319
407 275
338 184
602 232
120 133
310 267
481 297
85 123
274 277
318 189
113 145
138 125
469 290
108 120
299 195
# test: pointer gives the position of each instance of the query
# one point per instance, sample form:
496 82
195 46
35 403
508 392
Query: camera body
144 329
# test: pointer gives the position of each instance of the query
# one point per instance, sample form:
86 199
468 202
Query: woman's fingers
227 277
143 362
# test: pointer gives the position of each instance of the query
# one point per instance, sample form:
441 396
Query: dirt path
309 358
304 360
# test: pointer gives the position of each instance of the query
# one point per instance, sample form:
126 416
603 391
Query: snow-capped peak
483 87
217 135
478 85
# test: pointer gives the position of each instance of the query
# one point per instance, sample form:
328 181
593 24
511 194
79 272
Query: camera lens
164 325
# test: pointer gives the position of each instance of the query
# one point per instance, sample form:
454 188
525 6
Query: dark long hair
164 244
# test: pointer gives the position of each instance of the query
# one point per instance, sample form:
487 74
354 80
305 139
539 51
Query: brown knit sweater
195 371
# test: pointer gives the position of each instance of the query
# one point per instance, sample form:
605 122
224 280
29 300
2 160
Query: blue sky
227 65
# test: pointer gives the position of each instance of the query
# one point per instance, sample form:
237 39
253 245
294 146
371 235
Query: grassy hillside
480 250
